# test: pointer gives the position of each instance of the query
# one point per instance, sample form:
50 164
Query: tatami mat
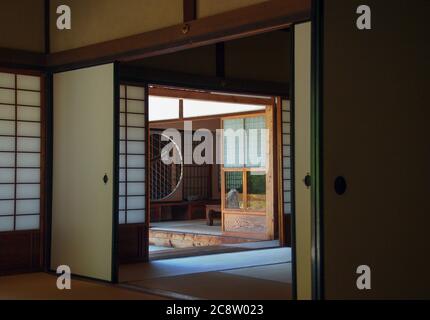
277 272
220 286
42 286
209 263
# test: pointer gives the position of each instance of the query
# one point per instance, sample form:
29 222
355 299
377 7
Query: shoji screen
21 172
286 157
20 152
82 207
132 190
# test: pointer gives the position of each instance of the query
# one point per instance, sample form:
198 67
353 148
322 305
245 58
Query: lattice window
20 152
132 188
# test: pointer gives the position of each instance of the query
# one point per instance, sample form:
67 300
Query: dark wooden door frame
317 149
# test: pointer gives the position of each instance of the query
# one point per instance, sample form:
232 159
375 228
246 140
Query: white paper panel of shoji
135 93
7 80
6 224
7 96
28 113
28 82
27 222
31 129
28 98
7 112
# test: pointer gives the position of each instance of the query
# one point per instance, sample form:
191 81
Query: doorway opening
207 211
218 196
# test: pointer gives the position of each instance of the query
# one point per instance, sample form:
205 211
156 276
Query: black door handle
340 185
307 181
105 179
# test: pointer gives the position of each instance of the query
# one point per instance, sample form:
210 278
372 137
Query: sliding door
133 199
376 153
22 142
84 204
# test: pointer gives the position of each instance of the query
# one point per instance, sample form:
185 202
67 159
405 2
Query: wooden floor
42 286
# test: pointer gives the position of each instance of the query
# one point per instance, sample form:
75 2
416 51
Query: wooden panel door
84 202
375 135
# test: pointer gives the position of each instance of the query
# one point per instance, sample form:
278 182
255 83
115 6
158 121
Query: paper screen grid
132 180
20 152
286 156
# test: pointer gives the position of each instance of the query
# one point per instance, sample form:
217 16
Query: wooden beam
207 96
12 58
220 60
190 10
264 17
138 75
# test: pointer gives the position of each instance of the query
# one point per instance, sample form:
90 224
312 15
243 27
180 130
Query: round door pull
105 179
340 185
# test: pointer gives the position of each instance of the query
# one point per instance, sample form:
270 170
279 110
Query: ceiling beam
260 18
209 96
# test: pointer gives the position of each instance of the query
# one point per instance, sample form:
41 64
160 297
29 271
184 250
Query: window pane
256 137
161 108
234 143
256 183
234 190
